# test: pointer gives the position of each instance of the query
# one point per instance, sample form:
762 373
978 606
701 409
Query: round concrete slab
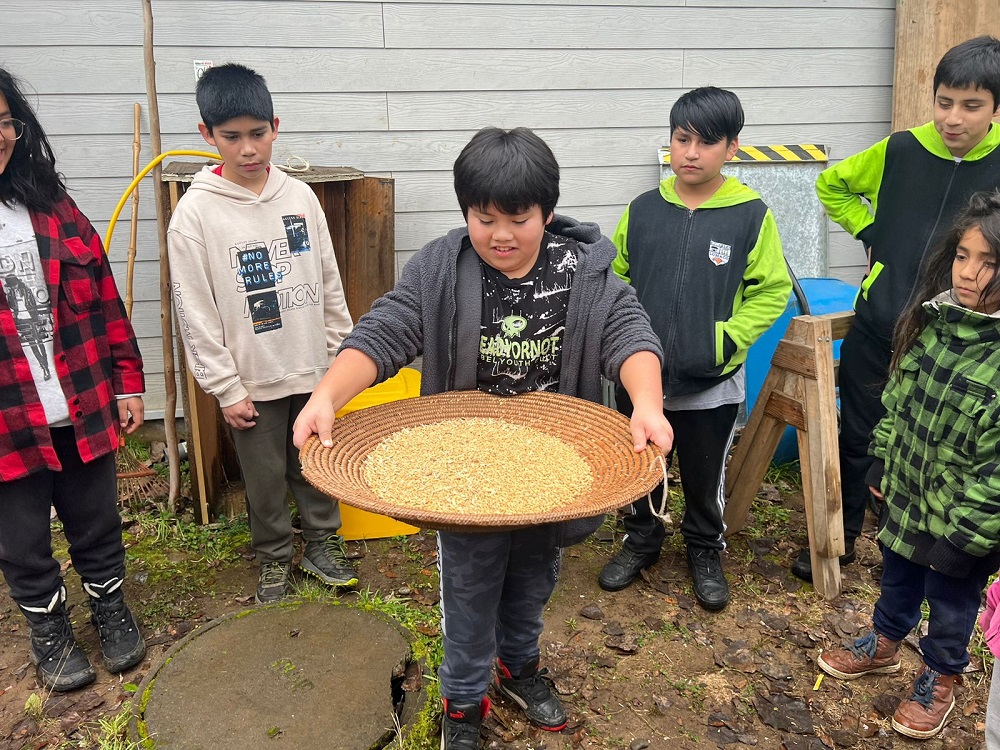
311 674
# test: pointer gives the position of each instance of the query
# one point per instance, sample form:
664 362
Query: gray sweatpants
270 465
993 710
494 588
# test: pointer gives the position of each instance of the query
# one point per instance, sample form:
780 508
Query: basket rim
601 436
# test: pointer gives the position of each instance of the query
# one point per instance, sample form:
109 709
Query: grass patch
786 477
218 542
180 557
111 732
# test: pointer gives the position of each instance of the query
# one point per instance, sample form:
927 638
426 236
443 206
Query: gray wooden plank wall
399 87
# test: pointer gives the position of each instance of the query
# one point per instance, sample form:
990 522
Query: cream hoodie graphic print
256 287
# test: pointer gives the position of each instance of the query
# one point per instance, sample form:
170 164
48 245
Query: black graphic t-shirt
523 322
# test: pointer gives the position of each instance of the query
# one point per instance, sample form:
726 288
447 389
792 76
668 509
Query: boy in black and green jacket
899 197
704 256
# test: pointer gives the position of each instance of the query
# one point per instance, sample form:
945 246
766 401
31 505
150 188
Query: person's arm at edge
201 323
841 188
640 376
878 448
127 376
351 372
766 289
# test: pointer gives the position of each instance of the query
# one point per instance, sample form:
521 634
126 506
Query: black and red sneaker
532 691
460 724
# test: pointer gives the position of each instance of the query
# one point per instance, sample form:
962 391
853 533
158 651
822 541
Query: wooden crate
360 212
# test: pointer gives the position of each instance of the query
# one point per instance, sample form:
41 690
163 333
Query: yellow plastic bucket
357 523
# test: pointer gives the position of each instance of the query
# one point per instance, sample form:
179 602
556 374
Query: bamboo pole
166 312
134 229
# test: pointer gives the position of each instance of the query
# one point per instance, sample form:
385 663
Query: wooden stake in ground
134 228
137 481
166 311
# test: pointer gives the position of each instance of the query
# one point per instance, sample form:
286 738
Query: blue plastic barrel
824 296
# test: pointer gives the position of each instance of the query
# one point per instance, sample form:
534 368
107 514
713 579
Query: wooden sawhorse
800 391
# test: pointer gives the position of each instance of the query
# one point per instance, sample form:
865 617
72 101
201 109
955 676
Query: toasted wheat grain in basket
598 434
476 465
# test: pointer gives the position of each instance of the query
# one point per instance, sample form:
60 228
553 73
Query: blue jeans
954 606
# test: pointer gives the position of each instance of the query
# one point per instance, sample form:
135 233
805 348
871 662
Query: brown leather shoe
870 654
924 713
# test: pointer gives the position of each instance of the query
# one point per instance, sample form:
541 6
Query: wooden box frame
360 212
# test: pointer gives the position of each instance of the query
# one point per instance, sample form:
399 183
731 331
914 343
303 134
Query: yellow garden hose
138 178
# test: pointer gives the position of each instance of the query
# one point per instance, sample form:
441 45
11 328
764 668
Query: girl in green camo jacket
937 469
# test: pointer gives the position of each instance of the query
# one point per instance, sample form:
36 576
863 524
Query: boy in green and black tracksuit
899 197
704 256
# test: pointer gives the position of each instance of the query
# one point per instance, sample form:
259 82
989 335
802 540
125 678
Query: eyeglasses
11 129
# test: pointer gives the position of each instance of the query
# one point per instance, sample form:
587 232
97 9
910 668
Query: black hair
30 177
711 112
231 91
975 63
982 212
512 170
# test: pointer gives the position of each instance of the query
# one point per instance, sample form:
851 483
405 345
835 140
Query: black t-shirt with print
523 322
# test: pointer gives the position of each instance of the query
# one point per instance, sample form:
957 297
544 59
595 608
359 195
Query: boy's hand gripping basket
469 461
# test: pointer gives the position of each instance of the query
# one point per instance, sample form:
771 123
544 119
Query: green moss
142 728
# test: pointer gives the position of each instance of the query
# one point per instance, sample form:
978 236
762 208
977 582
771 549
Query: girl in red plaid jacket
71 380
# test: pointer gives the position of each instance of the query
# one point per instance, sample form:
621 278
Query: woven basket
601 436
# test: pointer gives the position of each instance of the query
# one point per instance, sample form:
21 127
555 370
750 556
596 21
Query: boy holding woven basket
515 260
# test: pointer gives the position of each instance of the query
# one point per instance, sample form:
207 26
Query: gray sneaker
272 586
327 560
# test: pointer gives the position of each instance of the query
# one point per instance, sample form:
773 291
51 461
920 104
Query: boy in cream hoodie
262 313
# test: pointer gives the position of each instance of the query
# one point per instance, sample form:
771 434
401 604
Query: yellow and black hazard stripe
796 152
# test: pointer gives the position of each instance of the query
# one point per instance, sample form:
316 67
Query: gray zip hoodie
430 312
436 307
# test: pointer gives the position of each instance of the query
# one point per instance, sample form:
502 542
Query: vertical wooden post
371 213
166 312
925 30
819 458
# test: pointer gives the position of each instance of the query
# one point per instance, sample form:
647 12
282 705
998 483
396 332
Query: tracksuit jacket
915 188
937 450
712 279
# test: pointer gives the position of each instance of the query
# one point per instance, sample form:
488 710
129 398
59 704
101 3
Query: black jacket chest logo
719 252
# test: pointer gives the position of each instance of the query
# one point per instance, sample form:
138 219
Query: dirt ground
640 668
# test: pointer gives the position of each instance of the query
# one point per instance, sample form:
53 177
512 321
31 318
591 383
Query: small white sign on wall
200 66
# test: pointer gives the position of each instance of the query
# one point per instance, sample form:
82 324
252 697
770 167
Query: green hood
732 192
931 140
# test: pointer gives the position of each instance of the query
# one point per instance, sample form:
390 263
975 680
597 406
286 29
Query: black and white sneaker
460 724
531 690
